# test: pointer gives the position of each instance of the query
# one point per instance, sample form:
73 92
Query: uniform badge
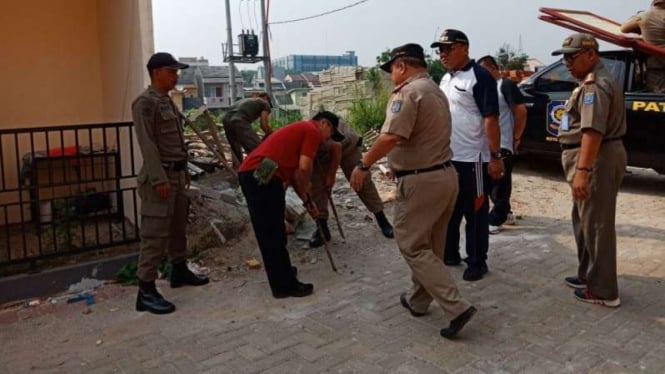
396 106
565 122
589 98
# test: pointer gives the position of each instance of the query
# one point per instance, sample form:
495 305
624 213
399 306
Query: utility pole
229 37
266 53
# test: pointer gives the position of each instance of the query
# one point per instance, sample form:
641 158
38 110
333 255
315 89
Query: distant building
533 64
314 63
204 84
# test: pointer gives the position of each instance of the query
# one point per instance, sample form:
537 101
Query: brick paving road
527 322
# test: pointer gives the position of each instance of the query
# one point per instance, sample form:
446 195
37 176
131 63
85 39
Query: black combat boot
148 299
316 240
182 276
386 227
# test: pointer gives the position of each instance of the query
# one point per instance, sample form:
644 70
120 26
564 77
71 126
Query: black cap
162 60
334 120
407 50
450 36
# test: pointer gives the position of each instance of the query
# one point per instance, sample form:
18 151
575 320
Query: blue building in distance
314 63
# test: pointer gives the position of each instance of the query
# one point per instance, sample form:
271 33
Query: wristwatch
496 154
362 166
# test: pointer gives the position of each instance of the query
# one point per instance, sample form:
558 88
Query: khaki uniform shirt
418 112
349 143
652 26
246 110
598 104
159 131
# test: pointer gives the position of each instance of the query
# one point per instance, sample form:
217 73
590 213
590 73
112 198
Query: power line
320 14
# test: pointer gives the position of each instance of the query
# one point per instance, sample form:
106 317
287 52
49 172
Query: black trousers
500 192
266 209
472 204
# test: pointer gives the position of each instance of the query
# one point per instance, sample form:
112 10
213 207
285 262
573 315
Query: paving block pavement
528 320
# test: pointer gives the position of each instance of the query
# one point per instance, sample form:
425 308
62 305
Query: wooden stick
325 245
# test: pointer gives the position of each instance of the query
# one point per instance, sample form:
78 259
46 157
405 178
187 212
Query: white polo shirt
472 95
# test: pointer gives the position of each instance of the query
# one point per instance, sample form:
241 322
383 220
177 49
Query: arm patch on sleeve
589 98
396 106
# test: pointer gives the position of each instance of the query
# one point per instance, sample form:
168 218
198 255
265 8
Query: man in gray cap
651 25
594 162
161 185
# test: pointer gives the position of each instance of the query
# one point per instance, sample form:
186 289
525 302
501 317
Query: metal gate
66 190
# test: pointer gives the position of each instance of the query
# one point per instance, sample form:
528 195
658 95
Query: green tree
383 57
509 59
435 68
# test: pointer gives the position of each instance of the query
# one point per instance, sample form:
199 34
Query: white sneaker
510 219
494 229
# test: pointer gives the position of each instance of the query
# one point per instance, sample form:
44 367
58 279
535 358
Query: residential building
204 84
302 80
314 63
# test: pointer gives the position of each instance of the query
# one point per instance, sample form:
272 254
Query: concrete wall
69 62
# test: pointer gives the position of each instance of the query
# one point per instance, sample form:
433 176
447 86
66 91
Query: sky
196 28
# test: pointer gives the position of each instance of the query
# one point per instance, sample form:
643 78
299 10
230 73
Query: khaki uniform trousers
163 225
241 136
367 194
594 219
423 206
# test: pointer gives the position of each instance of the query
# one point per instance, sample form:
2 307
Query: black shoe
474 273
405 303
148 299
294 271
316 240
451 260
484 269
182 276
384 224
457 324
575 282
298 290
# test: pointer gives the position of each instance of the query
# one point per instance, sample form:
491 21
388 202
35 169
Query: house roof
210 74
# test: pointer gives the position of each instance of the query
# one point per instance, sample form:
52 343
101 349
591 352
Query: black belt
403 173
174 165
577 145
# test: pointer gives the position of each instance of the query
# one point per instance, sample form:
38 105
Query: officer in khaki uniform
594 162
651 25
345 154
238 123
161 185
416 138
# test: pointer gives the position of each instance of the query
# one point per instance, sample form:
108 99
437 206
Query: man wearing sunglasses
594 161
416 138
476 146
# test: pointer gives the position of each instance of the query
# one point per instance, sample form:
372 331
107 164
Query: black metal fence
66 190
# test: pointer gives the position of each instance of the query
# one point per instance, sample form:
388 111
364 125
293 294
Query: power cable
259 26
242 24
320 14
249 17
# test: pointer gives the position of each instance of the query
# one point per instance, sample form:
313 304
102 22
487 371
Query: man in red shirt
286 157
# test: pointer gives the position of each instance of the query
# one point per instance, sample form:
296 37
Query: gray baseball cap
576 43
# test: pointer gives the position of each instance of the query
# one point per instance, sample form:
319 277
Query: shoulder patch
396 106
589 98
